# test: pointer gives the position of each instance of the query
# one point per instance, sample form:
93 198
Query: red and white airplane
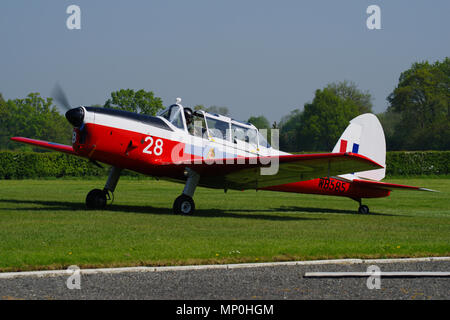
210 150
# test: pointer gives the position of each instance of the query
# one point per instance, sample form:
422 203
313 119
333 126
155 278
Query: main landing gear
97 199
184 204
363 209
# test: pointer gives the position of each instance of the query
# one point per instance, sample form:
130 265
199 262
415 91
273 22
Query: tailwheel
96 199
363 209
184 205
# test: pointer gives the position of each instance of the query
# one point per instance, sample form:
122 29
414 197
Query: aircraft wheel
96 199
183 205
363 209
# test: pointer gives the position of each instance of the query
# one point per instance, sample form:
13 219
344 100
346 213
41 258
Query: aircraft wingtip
429 190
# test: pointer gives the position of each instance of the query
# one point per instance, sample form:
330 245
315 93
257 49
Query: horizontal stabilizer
388 186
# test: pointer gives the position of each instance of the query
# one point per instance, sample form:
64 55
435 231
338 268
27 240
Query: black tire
184 205
96 199
363 209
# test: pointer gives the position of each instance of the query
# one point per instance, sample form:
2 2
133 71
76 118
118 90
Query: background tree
261 122
4 123
143 102
321 122
289 126
389 121
421 99
33 117
348 90
213 109
324 120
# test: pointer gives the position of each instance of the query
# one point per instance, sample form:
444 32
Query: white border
56 273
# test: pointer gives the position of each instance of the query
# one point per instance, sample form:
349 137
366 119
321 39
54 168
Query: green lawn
44 225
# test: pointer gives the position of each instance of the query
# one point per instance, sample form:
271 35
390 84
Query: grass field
44 225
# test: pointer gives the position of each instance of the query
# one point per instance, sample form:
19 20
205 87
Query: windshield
218 128
244 134
199 127
262 140
174 115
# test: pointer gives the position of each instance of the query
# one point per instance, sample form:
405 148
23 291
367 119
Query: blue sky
255 56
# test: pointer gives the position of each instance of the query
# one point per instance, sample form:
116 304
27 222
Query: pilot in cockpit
189 120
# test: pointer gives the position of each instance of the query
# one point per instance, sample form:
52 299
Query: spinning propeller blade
60 97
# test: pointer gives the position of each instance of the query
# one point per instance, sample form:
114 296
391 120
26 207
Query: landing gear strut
184 204
96 198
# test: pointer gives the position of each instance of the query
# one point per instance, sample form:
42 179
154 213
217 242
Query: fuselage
145 144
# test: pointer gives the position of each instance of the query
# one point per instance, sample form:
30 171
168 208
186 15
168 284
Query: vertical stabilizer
365 136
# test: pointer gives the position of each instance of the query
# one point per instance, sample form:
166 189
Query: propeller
60 97
74 115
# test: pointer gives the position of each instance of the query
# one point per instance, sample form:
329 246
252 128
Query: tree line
417 117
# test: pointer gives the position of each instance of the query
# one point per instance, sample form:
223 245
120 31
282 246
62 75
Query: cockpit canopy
174 114
213 126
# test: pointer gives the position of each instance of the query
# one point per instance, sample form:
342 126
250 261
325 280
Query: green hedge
22 165
405 163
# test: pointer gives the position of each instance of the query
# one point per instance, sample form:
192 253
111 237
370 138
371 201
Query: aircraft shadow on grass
211 212
326 210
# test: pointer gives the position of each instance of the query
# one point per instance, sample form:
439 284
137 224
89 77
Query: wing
45 144
387 186
251 173
255 172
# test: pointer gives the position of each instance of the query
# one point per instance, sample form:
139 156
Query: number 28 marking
157 149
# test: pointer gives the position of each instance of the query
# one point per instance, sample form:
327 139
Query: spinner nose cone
75 116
